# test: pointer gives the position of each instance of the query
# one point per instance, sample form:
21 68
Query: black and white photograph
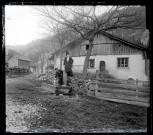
76 68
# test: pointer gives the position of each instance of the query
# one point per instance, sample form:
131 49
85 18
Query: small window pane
91 63
87 47
122 62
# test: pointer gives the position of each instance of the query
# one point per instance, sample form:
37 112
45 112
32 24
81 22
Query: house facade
122 59
33 67
15 59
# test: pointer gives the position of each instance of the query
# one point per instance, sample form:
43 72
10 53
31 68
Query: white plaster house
121 58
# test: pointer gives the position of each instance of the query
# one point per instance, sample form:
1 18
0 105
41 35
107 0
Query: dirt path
29 110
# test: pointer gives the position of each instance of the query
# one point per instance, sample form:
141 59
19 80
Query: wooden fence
120 91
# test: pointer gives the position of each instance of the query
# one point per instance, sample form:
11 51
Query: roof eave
112 37
124 41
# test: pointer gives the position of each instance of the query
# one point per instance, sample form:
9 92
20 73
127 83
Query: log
122 97
62 90
124 86
125 101
123 91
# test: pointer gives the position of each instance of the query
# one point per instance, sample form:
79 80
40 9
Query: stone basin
57 89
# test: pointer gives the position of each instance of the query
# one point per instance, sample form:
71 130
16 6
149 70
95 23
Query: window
87 47
122 62
91 63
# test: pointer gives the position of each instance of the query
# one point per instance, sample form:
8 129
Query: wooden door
102 66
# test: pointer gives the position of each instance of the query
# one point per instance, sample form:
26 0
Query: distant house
42 68
33 67
121 58
15 59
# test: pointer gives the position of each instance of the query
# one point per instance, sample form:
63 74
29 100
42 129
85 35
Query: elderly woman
68 62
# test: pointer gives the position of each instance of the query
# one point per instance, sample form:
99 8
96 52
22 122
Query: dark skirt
70 73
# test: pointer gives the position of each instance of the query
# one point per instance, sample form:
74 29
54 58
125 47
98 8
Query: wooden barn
121 58
17 60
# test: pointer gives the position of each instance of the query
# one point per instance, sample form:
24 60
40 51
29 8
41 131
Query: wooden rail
122 93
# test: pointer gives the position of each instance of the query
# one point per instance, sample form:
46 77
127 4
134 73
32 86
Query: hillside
35 48
140 36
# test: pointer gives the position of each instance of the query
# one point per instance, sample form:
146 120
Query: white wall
34 70
136 69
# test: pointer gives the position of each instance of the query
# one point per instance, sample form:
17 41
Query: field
30 109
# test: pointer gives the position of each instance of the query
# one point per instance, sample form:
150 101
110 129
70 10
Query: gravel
17 113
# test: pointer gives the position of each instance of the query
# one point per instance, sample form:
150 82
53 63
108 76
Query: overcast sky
22 25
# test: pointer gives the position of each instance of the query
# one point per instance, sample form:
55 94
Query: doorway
102 66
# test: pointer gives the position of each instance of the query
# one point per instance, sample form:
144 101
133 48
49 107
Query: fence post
96 88
88 92
137 93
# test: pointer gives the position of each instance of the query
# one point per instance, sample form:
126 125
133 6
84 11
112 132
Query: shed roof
21 57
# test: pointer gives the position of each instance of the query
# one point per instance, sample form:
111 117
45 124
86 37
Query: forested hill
140 36
35 48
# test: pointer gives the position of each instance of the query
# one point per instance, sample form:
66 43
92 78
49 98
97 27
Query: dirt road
29 109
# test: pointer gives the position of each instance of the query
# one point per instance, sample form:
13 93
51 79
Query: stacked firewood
48 77
17 70
79 85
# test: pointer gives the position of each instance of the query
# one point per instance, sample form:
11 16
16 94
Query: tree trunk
42 63
87 58
61 56
42 66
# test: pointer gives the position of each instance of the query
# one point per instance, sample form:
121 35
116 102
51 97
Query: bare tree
85 21
60 34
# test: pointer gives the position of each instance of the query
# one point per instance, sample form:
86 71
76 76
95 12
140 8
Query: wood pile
48 77
79 86
17 70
